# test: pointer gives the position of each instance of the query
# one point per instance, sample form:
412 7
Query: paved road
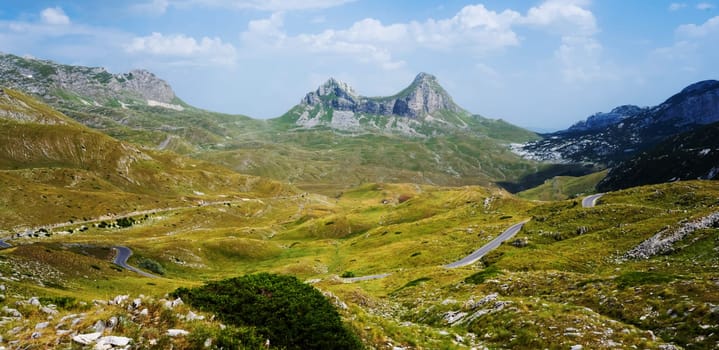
479 253
591 201
124 253
364 278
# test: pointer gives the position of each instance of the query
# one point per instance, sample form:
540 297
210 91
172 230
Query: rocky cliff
424 108
87 85
423 97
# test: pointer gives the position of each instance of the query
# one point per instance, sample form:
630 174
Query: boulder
86 339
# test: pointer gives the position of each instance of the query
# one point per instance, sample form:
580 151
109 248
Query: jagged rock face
613 137
44 78
603 120
424 96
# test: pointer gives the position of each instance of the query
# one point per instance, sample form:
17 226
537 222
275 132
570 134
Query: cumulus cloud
711 26
55 16
703 6
161 6
371 41
563 16
185 49
676 6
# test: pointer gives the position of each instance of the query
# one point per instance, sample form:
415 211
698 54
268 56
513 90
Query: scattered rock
86 339
11 312
119 299
177 332
576 347
99 326
34 301
48 310
111 322
114 340
41 325
191 316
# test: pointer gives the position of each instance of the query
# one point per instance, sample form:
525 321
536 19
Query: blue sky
538 64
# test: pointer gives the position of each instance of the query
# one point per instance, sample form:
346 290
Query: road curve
124 253
493 244
591 201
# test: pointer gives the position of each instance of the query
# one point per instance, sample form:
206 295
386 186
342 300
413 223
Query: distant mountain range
669 142
333 138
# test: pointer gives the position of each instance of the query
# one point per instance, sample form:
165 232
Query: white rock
48 310
136 303
191 316
86 339
119 299
576 347
35 335
114 340
34 301
177 332
111 322
2 287
99 326
144 312
42 325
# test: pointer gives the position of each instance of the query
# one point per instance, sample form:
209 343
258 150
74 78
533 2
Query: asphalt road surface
493 244
124 253
591 201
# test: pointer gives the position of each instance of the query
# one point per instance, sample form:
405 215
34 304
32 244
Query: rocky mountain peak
425 96
91 84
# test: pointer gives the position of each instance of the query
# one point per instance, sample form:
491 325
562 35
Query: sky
537 64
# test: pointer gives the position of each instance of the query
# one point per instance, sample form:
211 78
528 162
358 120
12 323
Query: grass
568 275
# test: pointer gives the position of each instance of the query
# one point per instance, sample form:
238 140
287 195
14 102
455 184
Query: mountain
608 138
687 156
64 169
423 109
334 138
87 85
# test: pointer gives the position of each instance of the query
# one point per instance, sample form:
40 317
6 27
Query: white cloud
55 16
579 56
475 29
566 16
186 50
161 6
676 6
711 26
703 6
154 7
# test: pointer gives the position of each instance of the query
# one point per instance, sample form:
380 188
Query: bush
151 265
348 274
289 313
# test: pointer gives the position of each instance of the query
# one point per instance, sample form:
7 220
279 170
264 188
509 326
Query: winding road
591 201
364 278
124 253
493 244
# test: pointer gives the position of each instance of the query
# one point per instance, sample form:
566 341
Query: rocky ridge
87 85
618 135
337 105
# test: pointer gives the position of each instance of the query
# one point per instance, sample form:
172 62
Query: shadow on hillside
538 178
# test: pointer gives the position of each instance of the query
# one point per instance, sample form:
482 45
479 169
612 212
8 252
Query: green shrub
348 274
289 313
151 265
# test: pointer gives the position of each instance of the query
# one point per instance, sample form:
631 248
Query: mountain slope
627 130
50 162
687 156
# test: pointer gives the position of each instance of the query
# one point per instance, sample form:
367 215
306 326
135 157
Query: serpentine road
591 201
493 244
124 253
